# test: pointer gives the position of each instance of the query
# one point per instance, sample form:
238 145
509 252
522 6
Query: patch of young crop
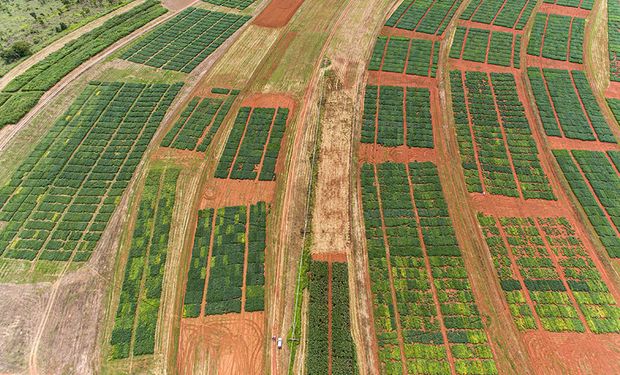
557 37
506 13
68 188
183 42
582 4
425 17
403 55
239 4
613 44
484 46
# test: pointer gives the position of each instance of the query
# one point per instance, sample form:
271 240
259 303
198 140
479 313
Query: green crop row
597 195
428 17
419 236
482 106
506 13
183 42
613 25
138 309
550 264
219 252
23 93
582 4
253 144
61 198
403 55
557 37
342 347
561 93
396 114
239 4
485 47
199 121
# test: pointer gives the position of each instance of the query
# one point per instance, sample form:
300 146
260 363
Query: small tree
17 51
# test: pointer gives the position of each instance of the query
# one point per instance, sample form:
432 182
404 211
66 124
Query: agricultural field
22 93
425 315
557 37
567 106
403 55
239 4
199 121
498 152
183 42
548 277
512 14
485 46
424 17
137 314
227 266
330 345
613 34
581 4
396 116
594 178
59 201
254 144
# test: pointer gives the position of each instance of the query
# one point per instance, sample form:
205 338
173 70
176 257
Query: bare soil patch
333 257
177 4
556 143
221 193
481 67
565 11
543 62
399 79
278 13
485 26
613 91
380 154
222 344
273 100
393 31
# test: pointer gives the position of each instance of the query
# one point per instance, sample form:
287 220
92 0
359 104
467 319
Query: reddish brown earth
543 62
565 11
573 353
613 91
220 193
380 154
335 257
558 143
272 100
177 4
484 26
222 344
392 31
499 205
399 79
278 13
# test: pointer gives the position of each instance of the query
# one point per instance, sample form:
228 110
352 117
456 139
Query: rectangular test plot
428 17
407 56
484 46
505 13
557 37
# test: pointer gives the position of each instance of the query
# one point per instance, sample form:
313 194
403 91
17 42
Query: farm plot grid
238 4
59 201
406 56
227 268
485 46
137 314
567 106
330 345
199 121
22 93
425 315
613 43
557 37
254 144
548 278
498 152
424 16
186 40
512 14
396 116
594 178
581 4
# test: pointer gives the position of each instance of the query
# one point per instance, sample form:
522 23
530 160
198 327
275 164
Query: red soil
278 13
399 79
484 26
565 11
392 31
499 205
335 257
271 100
536 61
613 91
481 67
220 193
558 143
402 154
222 344
573 353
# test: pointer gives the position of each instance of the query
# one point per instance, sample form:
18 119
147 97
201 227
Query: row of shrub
557 37
505 13
404 55
428 18
484 46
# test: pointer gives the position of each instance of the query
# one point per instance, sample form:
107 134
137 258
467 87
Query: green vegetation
253 144
403 55
239 4
59 201
583 4
613 25
559 95
557 37
26 89
506 13
475 45
342 347
544 261
183 42
428 17
138 309
594 179
199 122
385 108
222 259
412 248
492 118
